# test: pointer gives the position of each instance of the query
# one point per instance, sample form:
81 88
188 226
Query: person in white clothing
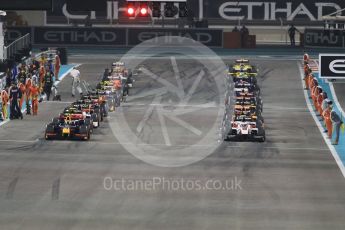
75 74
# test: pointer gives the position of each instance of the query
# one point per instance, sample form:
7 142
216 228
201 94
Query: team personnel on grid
21 87
336 123
15 94
75 74
28 94
1 115
41 74
22 76
35 78
34 94
118 87
4 101
57 65
306 58
327 118
48 82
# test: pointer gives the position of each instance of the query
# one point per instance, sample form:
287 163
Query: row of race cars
78 120
246 121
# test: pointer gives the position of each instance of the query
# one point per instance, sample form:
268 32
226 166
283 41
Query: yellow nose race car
242 68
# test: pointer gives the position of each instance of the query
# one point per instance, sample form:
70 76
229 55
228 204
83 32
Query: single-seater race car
90 110
247 128
246 121
101 97
252 86
247 110
120 69
74 113
244 76
250 101
242 65
98 103
69 127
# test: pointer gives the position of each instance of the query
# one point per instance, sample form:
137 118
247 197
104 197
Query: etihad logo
332 66
322 38
80 36
179 37
337 66
270 11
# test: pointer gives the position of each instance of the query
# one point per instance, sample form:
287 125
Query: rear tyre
85 131
49 129
262 139
95 119
55 121
89 124
47 137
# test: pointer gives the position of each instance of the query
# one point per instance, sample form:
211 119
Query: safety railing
12 49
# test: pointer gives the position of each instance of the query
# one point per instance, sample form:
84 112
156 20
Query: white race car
246 128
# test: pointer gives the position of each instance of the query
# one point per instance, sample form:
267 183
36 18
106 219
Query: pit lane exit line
163 145
278 108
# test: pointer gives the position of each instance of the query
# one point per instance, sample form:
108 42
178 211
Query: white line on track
58 102
208 106
19 141
285 108
163 127
335 98
324 135
163 145
197 57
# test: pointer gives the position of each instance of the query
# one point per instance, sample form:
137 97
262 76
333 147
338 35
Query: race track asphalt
289 182
339 89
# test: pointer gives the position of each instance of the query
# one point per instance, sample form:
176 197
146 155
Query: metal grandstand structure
17 47
335 20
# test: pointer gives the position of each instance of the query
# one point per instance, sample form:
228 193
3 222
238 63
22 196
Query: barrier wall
218 12
117 37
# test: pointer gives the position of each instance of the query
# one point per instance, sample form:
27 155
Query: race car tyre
95 120
47 137
103 112
88 123
258 92
85 131
49 129
55 121
130 73
97 110
262 139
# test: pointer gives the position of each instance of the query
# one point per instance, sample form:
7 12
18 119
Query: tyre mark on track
56 189
11 188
